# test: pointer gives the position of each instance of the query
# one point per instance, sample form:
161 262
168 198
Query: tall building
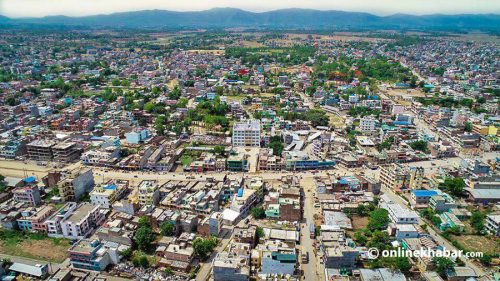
66 152
416 177
394 177
247 133
75 184
40 150
29 193
368 124
149 192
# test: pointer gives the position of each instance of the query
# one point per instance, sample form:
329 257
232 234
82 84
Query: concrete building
40 150
493 224
394 177
230 267
107 194
92 255
368 124
80 222
66 152
75 184
28 193
246 133
149 192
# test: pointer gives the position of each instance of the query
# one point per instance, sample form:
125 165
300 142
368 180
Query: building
417 176
441 202
91 255
29 193
493 224
231 267
246 133
80 222
399 214
40 150
66 152
381 274
33 219
137 136
75 184
243 200
149 192
107 194
368 124
394 177
421 198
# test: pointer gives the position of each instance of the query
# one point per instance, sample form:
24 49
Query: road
313 270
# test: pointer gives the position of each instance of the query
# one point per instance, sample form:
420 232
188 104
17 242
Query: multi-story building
40 150
75 184
394 177
29 193
85 219
66 152
34 219
441 202
243 200
493 224
106 194
368 124
399 214
230 267
417 176
91 255
54 221
246 133
149 192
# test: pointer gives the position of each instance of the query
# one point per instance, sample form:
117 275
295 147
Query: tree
167 228
144 222
477 221
259 233
203 247
276 143
258 212
454 186
175 94
443 265
219 149
360 237
420 145
379 219
144 237
468 126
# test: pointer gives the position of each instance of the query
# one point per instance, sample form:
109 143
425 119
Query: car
135 176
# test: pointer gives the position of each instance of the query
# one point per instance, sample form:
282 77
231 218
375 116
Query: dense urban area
248 155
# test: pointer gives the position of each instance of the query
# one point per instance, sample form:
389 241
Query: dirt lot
47 249
359 222
479 243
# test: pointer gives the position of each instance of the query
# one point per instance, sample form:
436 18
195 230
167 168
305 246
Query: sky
39 8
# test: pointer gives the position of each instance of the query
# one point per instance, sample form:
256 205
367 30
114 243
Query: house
422 197
92 255
493 224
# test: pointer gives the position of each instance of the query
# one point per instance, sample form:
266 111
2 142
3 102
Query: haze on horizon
40 8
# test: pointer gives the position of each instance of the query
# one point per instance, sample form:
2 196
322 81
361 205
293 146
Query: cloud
38 8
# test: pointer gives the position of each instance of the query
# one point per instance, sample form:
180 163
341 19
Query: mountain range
285 18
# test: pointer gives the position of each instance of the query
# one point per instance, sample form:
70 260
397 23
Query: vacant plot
359 222
479 243
34 246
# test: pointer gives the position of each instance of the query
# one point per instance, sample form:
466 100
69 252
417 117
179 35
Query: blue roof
111 187
240 192
424 193
30 179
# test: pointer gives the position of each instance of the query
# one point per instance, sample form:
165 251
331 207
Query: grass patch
33 246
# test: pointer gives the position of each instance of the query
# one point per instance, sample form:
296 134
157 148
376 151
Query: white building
247 133
106 194
368 124
400 214
82 222
493 224
75 222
